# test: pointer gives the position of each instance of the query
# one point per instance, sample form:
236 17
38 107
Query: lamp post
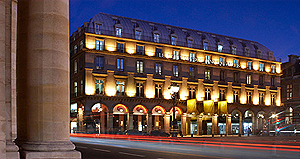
173 89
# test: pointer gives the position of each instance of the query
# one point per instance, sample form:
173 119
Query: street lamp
173 89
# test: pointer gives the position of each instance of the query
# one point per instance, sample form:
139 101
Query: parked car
159 133
134 132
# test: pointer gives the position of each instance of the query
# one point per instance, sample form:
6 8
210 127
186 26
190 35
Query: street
131 147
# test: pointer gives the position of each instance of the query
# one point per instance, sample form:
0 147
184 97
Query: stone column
216 92
43 89
228 124
241 125
183 92
129 121
200 91
110 121
102 122
183 124
130 88
149 122
167 122
80 119
243 97
167 84
278 98
229 95
255 95
268 96
199 124
150 87
214 127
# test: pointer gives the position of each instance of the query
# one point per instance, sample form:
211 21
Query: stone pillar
199 124
229 96
254 124
167 84
140 121
241 125
214 127
255 95
130 88
156 123
110 121
110 84
268 96
167 122
122 125
102 122
200 91
150 88
43 89
216 92
278 98
80 119
183 92
243 97
149 122
228 124
129 121
183 124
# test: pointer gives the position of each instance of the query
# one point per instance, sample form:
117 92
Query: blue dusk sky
273 23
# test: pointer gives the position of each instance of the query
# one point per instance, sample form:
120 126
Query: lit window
233 50
192 57
222 94
158 52
139 89
192 72
75 66
75 89
99 62
236 96
190 43
289 91
222 61
248 79
207 59
99 85
207 94
120 88
192 93
272 99
138 35
156 37
236 63
81 87
140 50
97 29
220 48
272 68
120 65
118 32
249 97
99 45
175 55
139 67
81 45
158 90
249 65
75 49
207 74
175 71
120 47
205 45
261 98
261 67
158 68
174 40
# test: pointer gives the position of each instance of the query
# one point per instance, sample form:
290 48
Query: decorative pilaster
200 91
183 124
268 96
130 87
199 124
149 122
167 122
150 89
243 98
228 124
183 92
278 97
216 92
110 84
255 95
229 93
214 130
167 84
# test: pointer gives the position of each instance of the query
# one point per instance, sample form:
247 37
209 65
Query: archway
261 121
158 113
248 122
236 122
140 118
120 118
178 113
99 117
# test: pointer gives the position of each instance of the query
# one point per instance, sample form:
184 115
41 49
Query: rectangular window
192 57
158 52
249 65
272 99
236 98
174 40
207 94
120 88
236 63
205 45
192 72
236 77
192 93
249 97
158 91
248 79
233 50
261 98
81 45
99 86
175 55
139 89
222 94
140 50
175 71
207 59
99 45
261 80
120 47
261 67
139 67
99 62
207 74
120 64
156 37
222 61
158 68
81 87
97 29
272 68
75 66
138 35
289 91
222 75
118 32
190 43
75 49
220 48
75 89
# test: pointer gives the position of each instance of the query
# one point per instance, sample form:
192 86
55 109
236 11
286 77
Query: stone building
121 69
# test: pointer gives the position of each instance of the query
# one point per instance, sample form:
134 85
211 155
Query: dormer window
220 47
233 49
258 54
173 40
138 34
156 37
97 28
205 45
247 51
190 43
118 32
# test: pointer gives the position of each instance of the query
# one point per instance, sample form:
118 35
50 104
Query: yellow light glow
90 45
243 64
230 99
267 102
200 59
255 65
243 100
150 53
278 102
268 69
110 91
130 51
110 48
130 47
89 90
255 101
150 93
278 68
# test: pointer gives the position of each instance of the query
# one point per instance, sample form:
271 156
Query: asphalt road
187 148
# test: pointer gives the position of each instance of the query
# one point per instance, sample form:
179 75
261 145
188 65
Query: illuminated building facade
121 69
